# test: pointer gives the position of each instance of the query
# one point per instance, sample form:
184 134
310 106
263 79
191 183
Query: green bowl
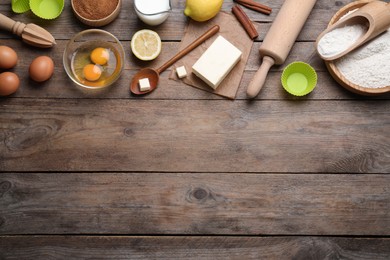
47 9
299 78
20 6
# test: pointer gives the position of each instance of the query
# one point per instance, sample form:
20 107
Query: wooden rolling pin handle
10 25
258 80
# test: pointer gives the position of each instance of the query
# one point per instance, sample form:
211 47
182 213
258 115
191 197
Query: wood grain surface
195 203
186 247
185 174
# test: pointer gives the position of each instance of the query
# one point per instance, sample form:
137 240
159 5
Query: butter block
216 62
181 72
144 84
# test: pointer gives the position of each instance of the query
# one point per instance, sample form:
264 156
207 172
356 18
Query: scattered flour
340 39
369 65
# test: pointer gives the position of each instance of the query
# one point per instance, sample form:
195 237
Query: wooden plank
194 204
194 136
69 247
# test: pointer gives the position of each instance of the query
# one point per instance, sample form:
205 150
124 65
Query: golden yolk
92 72
100 56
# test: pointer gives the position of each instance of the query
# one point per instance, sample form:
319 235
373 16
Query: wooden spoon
375 16
154 74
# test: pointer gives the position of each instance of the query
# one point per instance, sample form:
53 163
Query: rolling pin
280 39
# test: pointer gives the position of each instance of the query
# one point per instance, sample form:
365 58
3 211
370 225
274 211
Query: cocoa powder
95 10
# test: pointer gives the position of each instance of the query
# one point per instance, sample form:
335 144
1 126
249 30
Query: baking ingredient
146 44
100 56
368 66
94 10
255 6
9 83
245 22
154 74
84 55
144 84
181 72
92 72
340 39
202 10
8 57
216 62
152 12
41 68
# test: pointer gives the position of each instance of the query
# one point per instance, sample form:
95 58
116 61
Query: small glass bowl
77 55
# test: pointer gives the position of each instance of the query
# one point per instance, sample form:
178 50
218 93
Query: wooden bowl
99 22
334 71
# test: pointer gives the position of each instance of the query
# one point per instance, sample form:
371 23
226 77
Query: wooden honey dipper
31 34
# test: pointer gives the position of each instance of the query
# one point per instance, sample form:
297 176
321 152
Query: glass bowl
99 48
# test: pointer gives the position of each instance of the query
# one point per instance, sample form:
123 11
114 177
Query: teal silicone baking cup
299 78
47 9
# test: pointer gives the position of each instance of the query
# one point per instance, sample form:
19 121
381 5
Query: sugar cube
144 84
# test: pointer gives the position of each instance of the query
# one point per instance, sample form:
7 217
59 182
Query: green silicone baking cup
20 6
47 9
299 78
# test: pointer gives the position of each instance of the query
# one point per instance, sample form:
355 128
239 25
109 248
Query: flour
369 65
340 39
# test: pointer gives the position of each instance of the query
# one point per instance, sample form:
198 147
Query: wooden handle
10 25
213 30
6 23
259 78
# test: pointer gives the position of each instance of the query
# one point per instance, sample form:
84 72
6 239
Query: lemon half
146 44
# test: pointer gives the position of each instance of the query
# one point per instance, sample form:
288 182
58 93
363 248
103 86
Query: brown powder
95 9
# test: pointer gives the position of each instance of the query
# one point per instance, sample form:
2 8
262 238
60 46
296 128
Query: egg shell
9 83
41 68
8 57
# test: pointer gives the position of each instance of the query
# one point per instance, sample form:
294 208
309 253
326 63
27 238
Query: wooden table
182 173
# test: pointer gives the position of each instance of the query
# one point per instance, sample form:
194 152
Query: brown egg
9 83
41 68
8 57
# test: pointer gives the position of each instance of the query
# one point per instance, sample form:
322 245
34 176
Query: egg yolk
92 72
100 56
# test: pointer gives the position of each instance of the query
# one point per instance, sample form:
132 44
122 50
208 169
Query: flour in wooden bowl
369 65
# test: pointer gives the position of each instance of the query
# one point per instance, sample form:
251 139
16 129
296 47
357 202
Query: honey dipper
31 34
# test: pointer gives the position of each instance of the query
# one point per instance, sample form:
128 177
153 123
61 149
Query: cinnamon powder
95 10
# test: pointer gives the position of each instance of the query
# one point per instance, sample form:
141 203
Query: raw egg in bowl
94 59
